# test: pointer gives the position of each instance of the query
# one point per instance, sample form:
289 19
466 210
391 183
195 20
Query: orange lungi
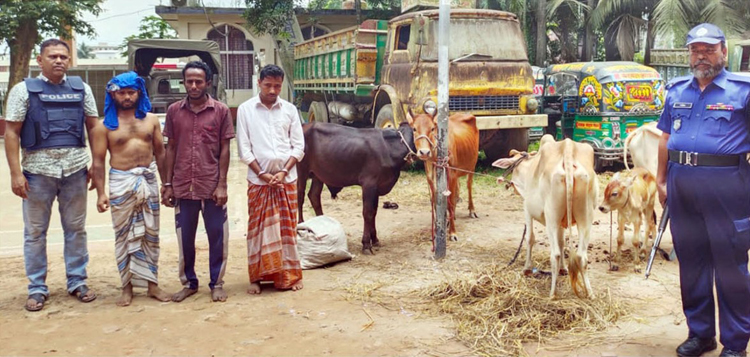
272 235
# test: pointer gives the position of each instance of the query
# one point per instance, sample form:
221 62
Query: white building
105 51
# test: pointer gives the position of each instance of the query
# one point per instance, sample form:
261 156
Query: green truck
371 75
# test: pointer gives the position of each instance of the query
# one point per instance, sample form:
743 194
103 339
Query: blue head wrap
122 81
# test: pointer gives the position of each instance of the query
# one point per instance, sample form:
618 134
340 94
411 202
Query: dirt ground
369 306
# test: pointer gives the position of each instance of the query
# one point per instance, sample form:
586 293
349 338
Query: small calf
632 195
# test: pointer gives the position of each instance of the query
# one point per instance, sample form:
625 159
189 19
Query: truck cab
490 75
370 75
164 81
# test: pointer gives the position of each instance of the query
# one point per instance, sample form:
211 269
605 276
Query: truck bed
345 61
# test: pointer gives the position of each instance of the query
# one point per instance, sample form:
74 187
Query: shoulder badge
678 80
736 77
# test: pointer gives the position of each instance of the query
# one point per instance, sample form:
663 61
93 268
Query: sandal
39 298
80 294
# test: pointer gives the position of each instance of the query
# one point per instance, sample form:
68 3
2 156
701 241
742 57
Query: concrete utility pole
442 135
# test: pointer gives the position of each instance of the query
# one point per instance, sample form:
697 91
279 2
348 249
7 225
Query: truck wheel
385 118
498 143
318 113
598 165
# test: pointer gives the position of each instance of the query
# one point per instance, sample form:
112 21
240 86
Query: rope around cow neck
411 153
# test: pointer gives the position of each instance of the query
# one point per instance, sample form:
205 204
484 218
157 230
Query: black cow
340 156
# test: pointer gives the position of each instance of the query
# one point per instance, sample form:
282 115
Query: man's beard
709 73
125 105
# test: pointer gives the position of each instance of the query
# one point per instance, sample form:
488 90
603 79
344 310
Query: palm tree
626 18
679 16
570 17
541 32
84 51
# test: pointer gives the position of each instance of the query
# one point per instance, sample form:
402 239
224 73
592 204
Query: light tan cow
559 188
632 194
644 147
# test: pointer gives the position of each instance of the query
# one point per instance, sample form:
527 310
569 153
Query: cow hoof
453 238
473 215
376 244
614 268
367 251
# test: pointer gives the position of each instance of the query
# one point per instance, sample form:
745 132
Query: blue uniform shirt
715 121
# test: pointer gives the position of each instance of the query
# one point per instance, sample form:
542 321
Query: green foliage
24 22
49 16
84 51
638 57
383 4
270 17
324 4
151 26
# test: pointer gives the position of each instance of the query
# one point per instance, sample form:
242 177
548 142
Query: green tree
678 16
23 22
540 15
272 17
627 18
150 27
568 19
324 4
623 21
84 51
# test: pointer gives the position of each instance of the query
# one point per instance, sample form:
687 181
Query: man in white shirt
270 142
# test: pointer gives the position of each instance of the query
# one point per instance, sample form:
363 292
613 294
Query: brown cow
633 195
559 189
463 152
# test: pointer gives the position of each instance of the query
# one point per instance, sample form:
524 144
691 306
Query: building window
236 56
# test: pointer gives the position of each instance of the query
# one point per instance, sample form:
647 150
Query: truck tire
498 144
318 113
385 118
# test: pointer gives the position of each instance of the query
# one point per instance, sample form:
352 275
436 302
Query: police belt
695 159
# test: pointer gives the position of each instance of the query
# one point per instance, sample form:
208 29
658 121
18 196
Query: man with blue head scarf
135 144
127 80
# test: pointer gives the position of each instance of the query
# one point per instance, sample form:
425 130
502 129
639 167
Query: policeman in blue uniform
704 177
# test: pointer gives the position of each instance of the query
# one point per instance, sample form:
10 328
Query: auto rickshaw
600 103
536 132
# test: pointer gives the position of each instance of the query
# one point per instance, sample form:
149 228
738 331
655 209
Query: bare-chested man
133 138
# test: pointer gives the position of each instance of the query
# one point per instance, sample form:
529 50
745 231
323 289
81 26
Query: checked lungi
272 235
134 201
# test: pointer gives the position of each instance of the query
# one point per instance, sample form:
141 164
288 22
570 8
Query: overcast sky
120 18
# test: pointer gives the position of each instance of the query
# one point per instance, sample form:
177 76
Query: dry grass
496 310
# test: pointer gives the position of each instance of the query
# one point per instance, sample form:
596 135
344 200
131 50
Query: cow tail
574 268
625 149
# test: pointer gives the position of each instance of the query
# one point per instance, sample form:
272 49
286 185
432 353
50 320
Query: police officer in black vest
705 178
47 117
